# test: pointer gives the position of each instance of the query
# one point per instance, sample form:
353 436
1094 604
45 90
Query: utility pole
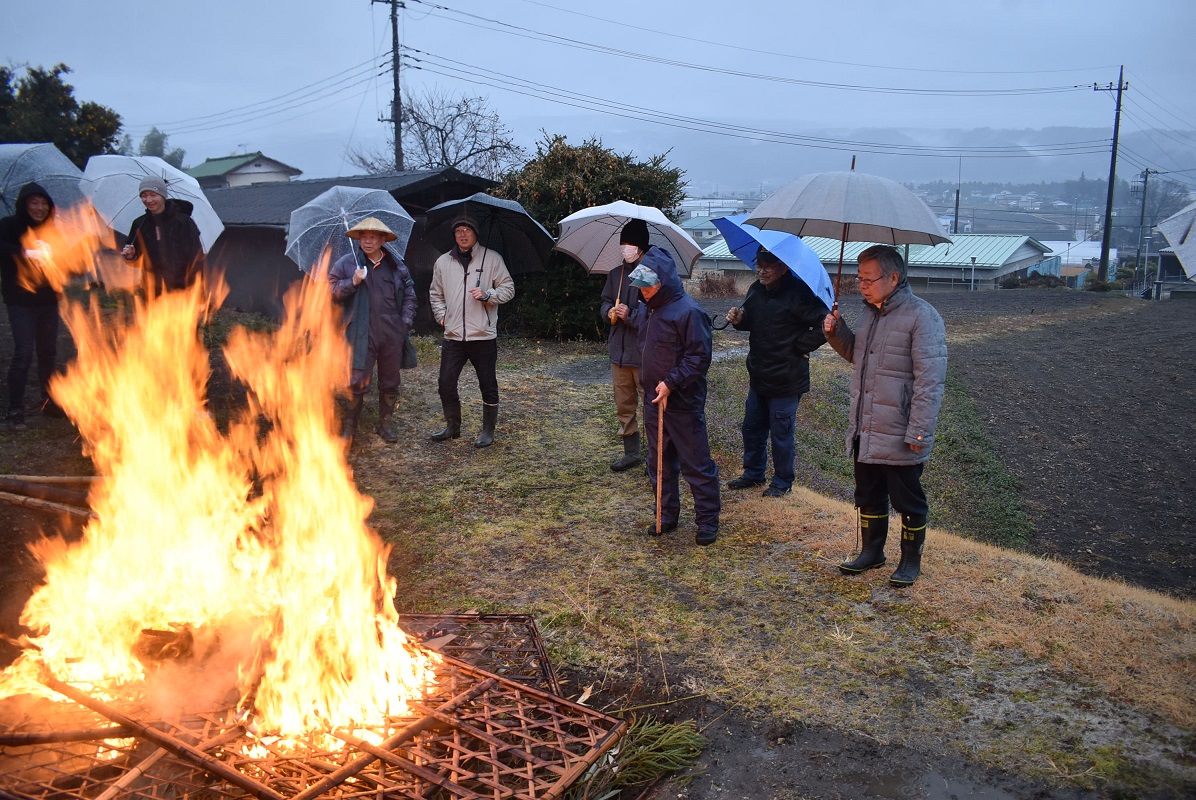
1142 223
1103 271
396 107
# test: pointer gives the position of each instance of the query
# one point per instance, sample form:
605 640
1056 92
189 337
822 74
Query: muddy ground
1093 413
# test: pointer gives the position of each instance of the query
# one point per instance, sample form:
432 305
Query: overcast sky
306 80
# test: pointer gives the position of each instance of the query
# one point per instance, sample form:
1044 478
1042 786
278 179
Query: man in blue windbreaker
675 345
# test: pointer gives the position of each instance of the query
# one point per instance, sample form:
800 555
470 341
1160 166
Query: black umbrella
503 226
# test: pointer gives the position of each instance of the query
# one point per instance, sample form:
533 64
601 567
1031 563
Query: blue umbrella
744 240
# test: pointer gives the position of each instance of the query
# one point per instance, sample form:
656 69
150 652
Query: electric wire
454 68
756 51
499 26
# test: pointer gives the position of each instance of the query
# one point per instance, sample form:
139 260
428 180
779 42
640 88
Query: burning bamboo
188 753
43 491
406 734
46 505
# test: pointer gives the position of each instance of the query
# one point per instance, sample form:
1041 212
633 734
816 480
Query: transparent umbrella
42 163
111 184
319 225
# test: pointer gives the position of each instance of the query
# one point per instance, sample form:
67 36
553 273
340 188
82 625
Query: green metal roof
215 167
990 250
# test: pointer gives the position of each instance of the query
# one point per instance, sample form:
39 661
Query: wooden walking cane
660 459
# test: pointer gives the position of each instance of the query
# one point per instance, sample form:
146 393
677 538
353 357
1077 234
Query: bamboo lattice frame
504 644
474 735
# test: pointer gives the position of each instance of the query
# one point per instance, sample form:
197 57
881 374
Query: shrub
716 284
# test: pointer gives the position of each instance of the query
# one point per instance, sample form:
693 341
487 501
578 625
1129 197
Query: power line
758 51
454 68
519 31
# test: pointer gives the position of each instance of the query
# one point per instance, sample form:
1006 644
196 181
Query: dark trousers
483 354
686 453
34 329
877 484
769 420
389 359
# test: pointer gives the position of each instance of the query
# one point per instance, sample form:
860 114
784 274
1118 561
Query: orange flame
73 242
250 537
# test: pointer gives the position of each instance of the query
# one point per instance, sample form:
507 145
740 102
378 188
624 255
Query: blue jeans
769 420
34 330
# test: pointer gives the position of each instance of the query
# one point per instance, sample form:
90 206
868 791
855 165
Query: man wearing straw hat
675 347
378 295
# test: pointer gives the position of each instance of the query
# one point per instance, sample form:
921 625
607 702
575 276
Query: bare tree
444 131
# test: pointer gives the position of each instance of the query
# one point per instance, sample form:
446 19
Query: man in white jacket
468 284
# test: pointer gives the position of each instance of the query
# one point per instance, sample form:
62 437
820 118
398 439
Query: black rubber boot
489 420
352 415
386 409
913 539
874 530
452 423
631 454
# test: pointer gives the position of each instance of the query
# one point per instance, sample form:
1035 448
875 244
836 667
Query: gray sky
294 79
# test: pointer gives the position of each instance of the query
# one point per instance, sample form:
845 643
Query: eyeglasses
866 282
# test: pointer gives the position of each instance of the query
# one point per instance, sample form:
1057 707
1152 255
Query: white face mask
630 252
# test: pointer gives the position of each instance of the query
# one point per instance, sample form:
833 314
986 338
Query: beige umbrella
850 207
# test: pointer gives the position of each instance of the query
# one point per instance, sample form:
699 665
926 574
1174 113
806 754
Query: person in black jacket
164 241
784 321
621 307
31 301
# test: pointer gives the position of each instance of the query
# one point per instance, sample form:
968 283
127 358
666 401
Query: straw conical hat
371 224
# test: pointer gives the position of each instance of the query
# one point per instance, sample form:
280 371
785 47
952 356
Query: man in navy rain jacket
675 345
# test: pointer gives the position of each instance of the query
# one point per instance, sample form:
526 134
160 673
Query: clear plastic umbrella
591 236
111 184
319 225
42 163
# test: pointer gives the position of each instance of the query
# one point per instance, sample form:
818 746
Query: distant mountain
722 164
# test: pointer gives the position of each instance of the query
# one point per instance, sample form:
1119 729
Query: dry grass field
1004 672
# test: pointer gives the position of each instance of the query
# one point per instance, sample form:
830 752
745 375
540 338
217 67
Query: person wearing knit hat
377 293
164 241
469 283
783 319
622 308
152 183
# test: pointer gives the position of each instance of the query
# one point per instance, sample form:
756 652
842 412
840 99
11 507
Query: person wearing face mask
164 241
469 283
784 323
621 308
31 301
899 359
378 295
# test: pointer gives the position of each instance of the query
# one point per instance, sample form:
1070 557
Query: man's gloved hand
359 275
